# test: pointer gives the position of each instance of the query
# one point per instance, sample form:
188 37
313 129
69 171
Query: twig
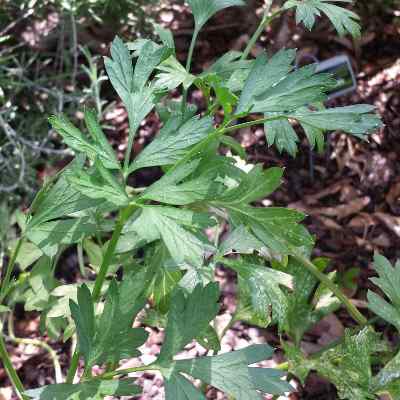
38 343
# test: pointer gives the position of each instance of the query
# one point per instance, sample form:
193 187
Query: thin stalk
37 343
265 21
233 128
81 262
10 268
126 371
11 372
188 66
353 311
124 215
73 367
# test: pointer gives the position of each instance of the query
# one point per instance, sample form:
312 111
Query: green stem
266 20
11 372
73 367
188 66
233 128
351 308
126 371
81 262
10 268
124 215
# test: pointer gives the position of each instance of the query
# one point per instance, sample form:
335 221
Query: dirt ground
351 192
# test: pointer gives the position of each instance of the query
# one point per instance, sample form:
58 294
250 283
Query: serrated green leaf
172 75
356 120
75 139
288 94
203 10
257 184
307 303
61 199
345 21
95 390
177 387
187 317
264 288
173 189
173 142
41 283
179 229
49 236
281 133
240 240
83 316
100 184
276 227
150 56
101 141
389 283
347 366
110 337
231 374
137 97
277 68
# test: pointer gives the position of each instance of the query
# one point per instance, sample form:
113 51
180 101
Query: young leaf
187 318
110 337
137 97
345 21
173 142
120 70
94 390
203 10
230 373
389 283
172 75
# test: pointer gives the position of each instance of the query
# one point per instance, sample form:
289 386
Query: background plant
156 235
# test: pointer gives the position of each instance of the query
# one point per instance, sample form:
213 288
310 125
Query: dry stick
37 343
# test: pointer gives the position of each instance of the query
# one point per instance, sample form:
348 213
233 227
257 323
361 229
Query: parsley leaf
389 283
345 21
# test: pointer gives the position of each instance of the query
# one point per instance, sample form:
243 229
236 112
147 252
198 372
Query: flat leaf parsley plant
147 247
